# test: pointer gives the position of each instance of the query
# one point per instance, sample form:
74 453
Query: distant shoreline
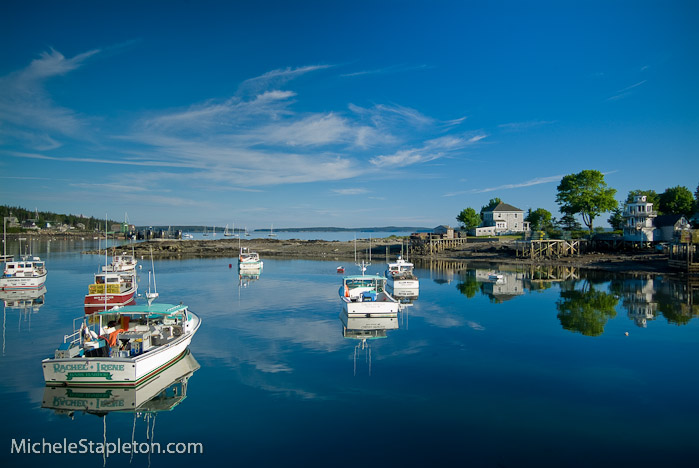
634 262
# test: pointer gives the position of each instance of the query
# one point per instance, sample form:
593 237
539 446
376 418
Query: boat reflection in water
365 330
405 295
248 276
26 300
162 393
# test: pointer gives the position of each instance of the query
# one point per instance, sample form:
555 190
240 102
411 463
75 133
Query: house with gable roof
503 219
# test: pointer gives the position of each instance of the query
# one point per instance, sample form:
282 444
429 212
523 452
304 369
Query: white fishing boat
366 296
400 276
28 273
124 263
249 260
123 346
187 235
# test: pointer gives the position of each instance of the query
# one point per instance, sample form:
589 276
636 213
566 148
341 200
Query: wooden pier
550 248
683 255
434 245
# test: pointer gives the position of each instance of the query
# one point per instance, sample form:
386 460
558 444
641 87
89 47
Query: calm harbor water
534 370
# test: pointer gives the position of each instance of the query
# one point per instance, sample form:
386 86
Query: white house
638 219
642 223
502 219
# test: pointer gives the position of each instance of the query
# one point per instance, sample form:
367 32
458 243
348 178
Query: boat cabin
25 267
126 331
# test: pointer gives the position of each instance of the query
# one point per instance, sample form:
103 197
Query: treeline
587 196
55 219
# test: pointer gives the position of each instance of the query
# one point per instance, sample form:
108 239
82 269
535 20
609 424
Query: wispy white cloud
521 126
276 78
28 114
429 151
351 191
625 92
527 183
386 70
250 140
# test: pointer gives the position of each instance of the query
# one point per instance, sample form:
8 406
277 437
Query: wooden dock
550 248
684 257
434 245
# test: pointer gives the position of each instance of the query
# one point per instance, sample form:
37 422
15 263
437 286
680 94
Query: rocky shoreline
645 261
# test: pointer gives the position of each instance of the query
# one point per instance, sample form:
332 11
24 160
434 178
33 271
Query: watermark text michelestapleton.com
82 446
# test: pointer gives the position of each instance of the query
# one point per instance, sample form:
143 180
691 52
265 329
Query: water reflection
587 298
586 311
27 302
163 393
247 277
645 297
364 330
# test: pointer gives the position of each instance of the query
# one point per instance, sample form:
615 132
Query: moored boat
124 263
28 273
365 296
124 346
249 260
400 276
109 290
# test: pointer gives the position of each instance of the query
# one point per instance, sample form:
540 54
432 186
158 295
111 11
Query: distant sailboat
231 233
152 295
247 234
205 233
271 231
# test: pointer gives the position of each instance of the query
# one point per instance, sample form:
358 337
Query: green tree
585 193
616 220
677 200
539 219
469 218
569 223
491 204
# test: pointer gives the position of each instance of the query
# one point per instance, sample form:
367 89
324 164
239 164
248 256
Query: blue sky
362 113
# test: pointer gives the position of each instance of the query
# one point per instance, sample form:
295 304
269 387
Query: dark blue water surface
545 368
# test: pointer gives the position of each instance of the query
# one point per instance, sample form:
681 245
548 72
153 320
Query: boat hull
410 284
383 306
250 265
95 302
115 371
20 283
